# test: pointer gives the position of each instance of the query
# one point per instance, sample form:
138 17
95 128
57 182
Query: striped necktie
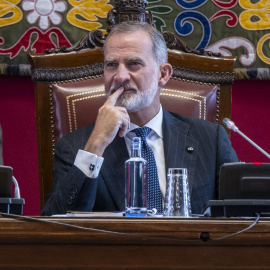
154 199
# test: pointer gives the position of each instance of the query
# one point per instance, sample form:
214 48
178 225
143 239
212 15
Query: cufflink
92 167
69 201
190 149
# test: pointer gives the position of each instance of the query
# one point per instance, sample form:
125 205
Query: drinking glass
177 196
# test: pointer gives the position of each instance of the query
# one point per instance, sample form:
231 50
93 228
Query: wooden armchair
69 86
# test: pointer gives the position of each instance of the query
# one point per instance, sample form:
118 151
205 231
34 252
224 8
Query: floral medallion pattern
44 11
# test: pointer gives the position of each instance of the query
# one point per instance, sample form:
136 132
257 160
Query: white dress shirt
90 164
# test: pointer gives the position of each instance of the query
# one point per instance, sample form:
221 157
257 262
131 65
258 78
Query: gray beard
134 102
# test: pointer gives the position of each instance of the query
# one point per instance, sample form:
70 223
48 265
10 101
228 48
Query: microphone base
237 208
11 206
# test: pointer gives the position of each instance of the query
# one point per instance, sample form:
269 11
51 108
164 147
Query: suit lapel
115 156
180 149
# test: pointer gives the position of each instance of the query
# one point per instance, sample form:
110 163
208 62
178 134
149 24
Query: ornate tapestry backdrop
230 27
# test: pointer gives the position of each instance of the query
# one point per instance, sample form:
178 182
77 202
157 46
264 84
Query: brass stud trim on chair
185 95
52 118
73 101
202 83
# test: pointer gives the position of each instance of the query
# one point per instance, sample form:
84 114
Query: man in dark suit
89 162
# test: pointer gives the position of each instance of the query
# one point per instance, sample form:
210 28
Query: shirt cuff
88 163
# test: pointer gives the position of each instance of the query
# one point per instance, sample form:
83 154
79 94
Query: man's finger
112 98
123 129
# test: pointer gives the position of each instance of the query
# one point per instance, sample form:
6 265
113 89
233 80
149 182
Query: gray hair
159 47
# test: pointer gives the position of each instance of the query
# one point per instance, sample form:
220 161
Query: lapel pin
190 149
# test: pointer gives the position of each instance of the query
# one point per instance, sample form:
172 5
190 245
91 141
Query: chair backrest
69 90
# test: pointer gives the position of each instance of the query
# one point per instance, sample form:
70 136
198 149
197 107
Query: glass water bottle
136 181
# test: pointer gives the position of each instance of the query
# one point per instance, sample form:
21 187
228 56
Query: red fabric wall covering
250 112
18 121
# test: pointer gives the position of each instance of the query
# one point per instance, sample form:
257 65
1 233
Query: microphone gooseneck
230 125
17 194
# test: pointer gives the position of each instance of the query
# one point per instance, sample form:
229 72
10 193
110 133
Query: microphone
17 194
230 125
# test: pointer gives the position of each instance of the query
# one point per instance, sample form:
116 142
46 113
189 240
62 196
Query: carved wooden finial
129 10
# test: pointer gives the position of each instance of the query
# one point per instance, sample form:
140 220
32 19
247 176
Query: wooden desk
39 245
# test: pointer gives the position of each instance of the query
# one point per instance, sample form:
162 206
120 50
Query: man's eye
110 64
135 63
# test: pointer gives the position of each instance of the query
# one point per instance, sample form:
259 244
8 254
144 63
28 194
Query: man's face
129 62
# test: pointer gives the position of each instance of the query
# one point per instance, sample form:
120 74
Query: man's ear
165 74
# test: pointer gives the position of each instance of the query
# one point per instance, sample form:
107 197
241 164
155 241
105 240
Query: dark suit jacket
72 190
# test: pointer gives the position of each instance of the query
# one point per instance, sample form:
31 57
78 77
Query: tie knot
142 132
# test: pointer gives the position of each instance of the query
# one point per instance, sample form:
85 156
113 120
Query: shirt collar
155 124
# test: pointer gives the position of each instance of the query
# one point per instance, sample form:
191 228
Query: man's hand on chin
110 118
